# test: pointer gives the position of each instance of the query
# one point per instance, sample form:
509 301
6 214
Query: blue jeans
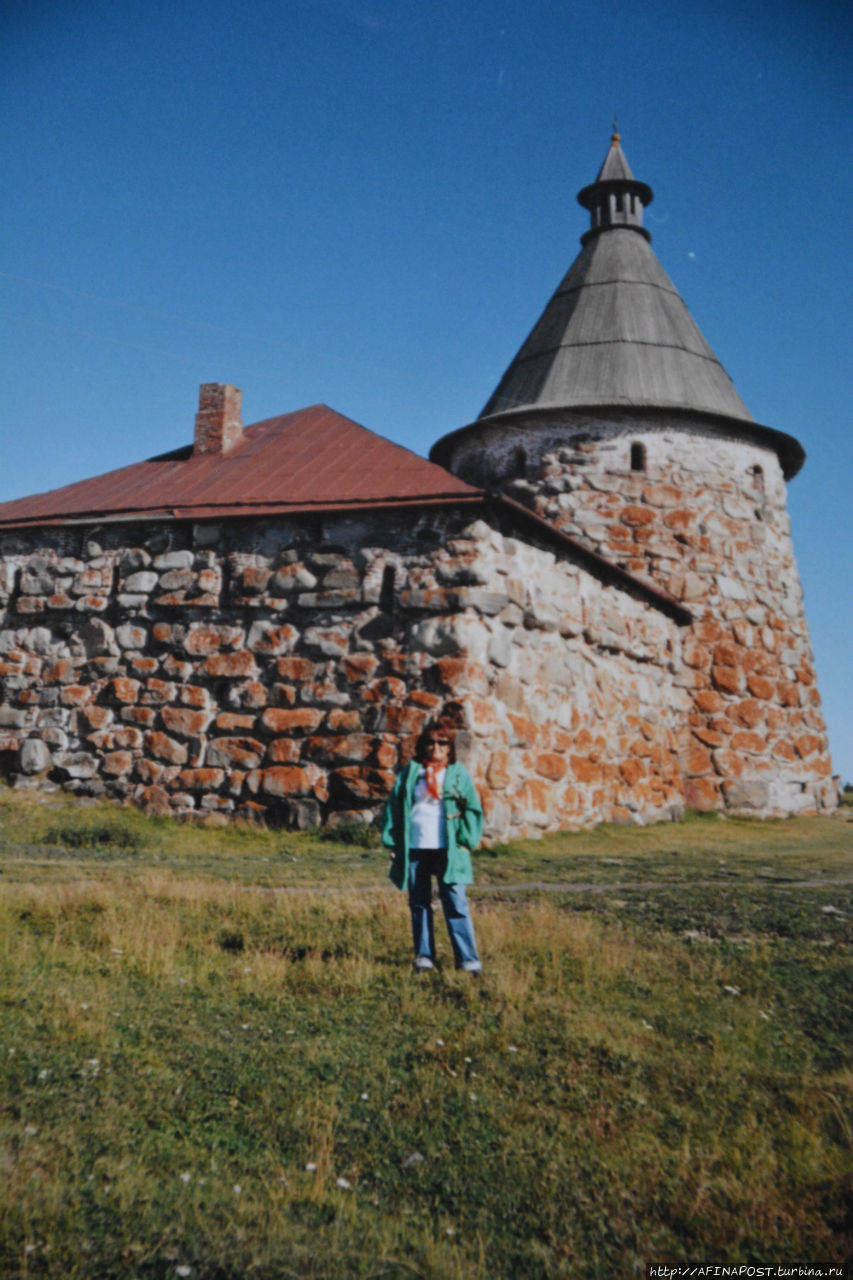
423 865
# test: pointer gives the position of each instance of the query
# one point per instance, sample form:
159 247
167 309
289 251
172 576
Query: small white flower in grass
43 1074
513 1048
343 1184
237 1188
765 1016
12 1053
310 1167
439 1041
116 951
473 1097
247 970
31 1131
186 1177
364 1097
449 1231
648 1025
416 1157
84 1006
183 1271
733 991
244 1026
469 1059
29 1248
182 982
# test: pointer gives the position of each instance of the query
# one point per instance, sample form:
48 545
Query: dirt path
544 886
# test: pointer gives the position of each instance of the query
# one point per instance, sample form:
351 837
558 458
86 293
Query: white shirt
428 824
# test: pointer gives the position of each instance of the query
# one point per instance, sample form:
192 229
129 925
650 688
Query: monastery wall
284 669
704 517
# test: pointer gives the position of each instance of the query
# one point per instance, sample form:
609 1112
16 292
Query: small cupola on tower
616 198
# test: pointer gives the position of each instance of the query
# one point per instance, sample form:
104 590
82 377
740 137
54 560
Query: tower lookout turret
617 423
615 199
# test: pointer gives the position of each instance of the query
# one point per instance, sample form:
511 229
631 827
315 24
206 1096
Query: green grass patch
215 1060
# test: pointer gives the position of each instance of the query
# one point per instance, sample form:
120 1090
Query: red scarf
432 781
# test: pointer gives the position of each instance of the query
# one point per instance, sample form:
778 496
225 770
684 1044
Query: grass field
217 1063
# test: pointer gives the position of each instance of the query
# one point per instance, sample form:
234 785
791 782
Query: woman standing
433 819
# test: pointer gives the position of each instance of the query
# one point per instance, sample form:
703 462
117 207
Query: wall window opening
387 589
757 475
518 462
638 457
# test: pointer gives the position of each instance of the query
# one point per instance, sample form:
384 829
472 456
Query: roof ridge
595 284
617 342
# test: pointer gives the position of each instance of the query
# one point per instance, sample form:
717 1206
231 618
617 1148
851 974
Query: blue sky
368 202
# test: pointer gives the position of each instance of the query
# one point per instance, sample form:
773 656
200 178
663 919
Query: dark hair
441 727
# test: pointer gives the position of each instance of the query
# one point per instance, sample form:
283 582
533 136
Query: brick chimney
218 426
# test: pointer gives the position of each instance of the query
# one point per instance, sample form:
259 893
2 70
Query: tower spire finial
616 198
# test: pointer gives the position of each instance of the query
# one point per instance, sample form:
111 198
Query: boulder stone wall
284 668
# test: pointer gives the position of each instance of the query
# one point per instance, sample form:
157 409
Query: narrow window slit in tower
387 590
757 474
638 457
519 462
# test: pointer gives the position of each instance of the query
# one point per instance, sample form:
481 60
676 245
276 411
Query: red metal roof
311 460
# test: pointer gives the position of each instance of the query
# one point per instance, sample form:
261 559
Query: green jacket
464 825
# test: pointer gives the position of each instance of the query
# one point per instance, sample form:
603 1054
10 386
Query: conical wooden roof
616 332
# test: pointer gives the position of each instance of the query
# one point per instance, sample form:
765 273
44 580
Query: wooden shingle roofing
616 332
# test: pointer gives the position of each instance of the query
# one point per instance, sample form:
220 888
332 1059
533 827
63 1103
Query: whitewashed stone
132 635
34 756
14 717
77 764
143 582
731 589
174 560
499 651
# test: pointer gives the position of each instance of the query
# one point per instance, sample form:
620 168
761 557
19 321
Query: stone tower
617 423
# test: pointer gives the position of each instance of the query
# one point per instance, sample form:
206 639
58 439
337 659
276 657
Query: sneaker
472 966
422 963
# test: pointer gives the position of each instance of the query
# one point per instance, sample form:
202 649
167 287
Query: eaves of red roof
311 460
